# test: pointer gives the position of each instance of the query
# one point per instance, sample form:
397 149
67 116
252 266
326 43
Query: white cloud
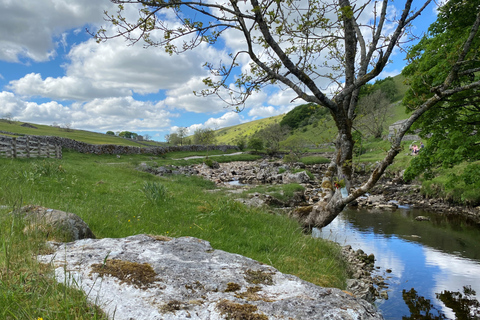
98 114
27 26
226 120
113 69
269 111
183 98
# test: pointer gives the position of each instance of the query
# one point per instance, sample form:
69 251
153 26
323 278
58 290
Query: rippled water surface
434 264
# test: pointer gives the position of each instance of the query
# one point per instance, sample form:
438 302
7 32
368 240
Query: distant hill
317 132
227 135
23 128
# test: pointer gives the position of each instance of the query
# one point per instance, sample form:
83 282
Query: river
431 266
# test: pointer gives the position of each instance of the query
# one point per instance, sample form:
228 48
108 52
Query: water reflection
429 257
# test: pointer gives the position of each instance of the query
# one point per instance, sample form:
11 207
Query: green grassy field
116 200
79 135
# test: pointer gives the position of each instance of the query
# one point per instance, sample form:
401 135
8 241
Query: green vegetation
116 200
229 135
79 135
452 126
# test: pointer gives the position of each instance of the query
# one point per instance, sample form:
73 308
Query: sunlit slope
79 135
228 135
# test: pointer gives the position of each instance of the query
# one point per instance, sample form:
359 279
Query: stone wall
116 149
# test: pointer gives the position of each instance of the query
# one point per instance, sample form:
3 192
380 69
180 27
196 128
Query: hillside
21 128
320 131
228 135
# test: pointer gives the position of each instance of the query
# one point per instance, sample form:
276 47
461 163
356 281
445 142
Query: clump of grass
155 192
28 289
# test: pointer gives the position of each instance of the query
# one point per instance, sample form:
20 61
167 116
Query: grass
453 190
116 200
229 134
27 289
79 135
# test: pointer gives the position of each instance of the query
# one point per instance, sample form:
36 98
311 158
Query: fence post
14 147
58 151
27 145
47 147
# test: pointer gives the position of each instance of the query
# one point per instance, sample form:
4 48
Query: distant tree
296 146
173 138
8 117
128 135
387 86
272 135
110 133
204 136
300 113
147 137
240 142
255 143
373 112
67 126
182 133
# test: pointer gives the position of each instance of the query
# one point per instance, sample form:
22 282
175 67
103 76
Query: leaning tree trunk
339 174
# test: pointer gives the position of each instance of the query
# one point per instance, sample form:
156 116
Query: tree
8 117
110 133
128 135
182 134
273 134
173 138
204 136
302 45
255 143
300 113
240 142
373 112
452 127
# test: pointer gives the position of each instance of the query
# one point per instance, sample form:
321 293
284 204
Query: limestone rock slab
192 281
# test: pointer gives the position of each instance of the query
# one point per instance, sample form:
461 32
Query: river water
431 266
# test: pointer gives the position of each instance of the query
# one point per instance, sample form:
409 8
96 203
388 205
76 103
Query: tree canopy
452 126
325 51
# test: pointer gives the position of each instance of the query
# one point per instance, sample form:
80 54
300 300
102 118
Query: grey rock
66 225
192 280
299 177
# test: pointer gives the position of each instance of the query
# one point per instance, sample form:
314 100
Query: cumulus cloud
183 97
97 115
269 111
30 26
113 69
226 120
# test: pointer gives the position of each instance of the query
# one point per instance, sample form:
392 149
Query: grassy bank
117 201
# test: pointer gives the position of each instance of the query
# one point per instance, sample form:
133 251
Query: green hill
319 129
22 128
228 135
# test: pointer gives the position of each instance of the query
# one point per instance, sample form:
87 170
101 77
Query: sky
53 72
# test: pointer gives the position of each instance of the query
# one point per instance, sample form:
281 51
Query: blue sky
53 72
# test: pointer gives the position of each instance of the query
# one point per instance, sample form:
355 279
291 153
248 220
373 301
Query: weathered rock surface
66 225
151 278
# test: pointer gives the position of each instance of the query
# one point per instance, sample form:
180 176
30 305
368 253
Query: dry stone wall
116 149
